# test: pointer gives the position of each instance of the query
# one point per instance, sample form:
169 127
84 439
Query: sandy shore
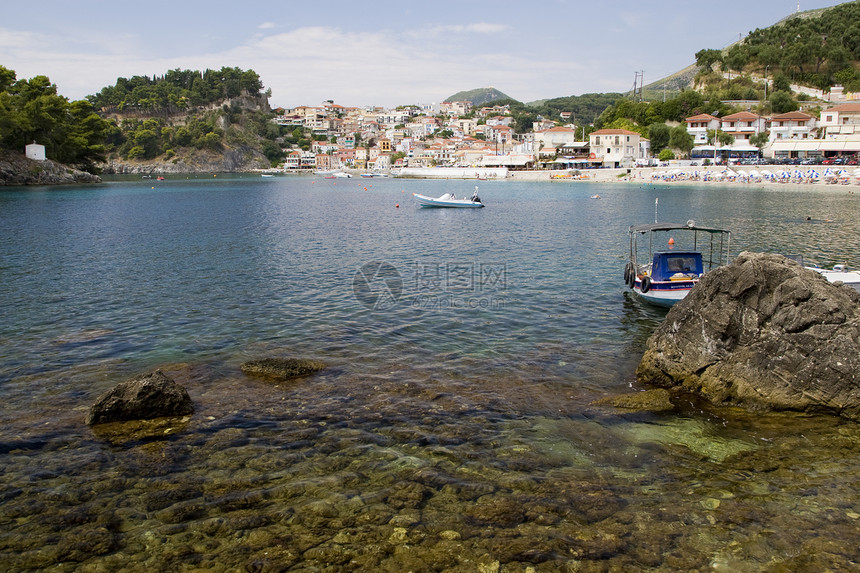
643 175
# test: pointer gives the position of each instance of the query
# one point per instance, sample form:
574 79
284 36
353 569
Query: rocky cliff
231 160
17 169
762 333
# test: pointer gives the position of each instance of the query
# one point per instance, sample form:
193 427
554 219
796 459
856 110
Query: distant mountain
479 96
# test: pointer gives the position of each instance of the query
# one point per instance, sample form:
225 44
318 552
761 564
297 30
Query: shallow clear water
455 428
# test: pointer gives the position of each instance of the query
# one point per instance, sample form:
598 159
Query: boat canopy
717 243
642 229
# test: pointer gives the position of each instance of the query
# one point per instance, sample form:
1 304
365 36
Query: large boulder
763 333
152 395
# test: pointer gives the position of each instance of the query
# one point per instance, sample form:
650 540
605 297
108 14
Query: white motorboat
839 273
449 200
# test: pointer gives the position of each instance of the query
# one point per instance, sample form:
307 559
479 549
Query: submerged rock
763 333
654 400
281 369
152 395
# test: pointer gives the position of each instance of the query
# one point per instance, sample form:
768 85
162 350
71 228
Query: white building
616 147
35 151
555 137
792 125
698 127
841 120
742 126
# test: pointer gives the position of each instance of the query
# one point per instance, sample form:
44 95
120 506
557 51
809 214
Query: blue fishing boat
665 276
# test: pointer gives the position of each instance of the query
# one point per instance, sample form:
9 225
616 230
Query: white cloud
477 28
266 26
311 64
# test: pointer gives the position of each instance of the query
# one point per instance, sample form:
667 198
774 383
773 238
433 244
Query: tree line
176 91
32 110
818 50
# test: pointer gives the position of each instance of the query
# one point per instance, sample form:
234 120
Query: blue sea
458 425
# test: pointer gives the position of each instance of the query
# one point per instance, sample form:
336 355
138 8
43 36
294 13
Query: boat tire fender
646 285
629 275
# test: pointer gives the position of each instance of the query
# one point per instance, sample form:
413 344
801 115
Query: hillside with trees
479 96
818 48
177 91
187 120
31 110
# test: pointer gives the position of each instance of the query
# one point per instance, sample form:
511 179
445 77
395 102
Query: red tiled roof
702 117
613 132
845 107
741 116
791 115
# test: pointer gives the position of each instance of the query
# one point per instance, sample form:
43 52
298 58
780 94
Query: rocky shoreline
16 169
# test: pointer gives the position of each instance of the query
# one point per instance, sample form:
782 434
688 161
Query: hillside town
456 135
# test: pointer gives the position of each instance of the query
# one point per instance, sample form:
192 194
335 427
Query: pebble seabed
409 470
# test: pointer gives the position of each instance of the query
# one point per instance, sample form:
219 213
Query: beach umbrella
812 174
797 174
827 173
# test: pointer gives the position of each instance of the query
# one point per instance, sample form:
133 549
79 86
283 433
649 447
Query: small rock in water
281 369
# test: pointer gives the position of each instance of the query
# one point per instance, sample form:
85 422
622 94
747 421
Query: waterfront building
791 125
698 127
555 137
742 126
841 120
615 147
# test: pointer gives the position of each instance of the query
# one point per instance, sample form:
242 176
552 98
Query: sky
377 52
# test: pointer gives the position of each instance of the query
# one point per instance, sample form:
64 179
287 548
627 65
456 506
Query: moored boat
449 200
838 274
663 277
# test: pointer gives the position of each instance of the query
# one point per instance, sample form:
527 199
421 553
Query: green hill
816 48
479 96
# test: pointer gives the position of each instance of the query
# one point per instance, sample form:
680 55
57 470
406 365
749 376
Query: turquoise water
455 428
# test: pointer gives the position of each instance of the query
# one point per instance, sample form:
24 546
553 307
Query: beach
650 175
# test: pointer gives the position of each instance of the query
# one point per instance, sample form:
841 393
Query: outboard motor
475 198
